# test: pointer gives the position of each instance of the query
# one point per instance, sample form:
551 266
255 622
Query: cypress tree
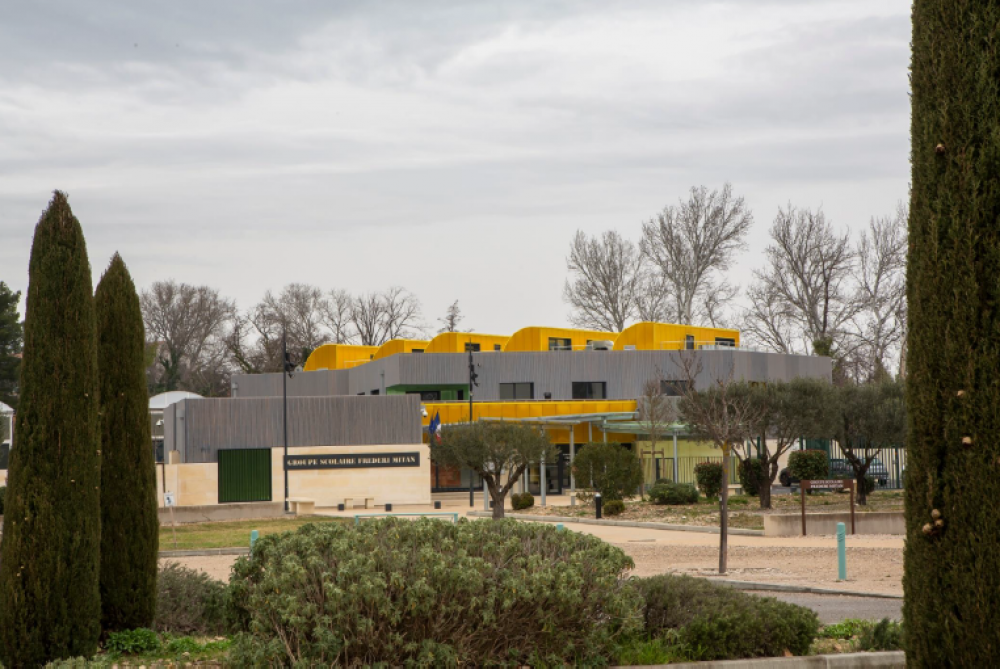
129 523
952 559
49 599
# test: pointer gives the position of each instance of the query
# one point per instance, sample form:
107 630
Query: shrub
613 507
709 477
845 629
3 493
189 602
673 493
716 622
752 473
133 642
615 470
869 485
809 465
521 501
883 635
430 592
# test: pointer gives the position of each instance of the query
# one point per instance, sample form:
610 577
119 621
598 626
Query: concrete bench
302 506
350 501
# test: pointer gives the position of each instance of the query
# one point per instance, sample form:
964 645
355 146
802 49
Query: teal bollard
559 527
841 552
253 538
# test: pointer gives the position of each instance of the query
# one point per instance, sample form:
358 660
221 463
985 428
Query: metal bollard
559 527
597 504
388 508
437 505
340 507
841 552
253 538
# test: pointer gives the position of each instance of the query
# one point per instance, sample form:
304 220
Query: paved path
833 609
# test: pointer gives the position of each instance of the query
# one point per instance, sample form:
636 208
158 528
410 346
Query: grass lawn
230 533
744 511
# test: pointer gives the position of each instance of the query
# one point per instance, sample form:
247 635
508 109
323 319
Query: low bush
614 507
845 629
809 465
523 500
189 602
133 642
752 473
709 477
883 635
429 592
673 493
710 622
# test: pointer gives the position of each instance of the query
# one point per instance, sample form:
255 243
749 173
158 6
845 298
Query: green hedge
709 477
521 500
714 622
752 473
614 507
809 465
431 592
673 493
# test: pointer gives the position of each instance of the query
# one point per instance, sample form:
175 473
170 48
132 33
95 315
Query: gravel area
216 566
868 569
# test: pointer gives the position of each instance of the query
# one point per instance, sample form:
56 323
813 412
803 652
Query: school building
356 416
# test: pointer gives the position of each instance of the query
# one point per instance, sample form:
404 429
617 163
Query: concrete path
833 608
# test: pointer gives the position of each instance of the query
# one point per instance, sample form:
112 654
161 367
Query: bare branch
606 279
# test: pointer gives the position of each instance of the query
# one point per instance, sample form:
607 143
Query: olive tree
869 417
492 449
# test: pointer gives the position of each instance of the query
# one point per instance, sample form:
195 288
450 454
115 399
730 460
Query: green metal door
245 475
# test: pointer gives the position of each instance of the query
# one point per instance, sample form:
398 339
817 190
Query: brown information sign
825 484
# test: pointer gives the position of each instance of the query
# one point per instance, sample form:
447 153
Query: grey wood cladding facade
199 428
624 372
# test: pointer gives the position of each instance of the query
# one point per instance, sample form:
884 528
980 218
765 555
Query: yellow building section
394 346
458 412
455 342
338 356
670 337
561 339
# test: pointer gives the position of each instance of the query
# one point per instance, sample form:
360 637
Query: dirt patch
216 566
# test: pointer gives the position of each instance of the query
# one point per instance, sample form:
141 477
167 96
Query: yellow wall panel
537 338
668 336
338 356
394 346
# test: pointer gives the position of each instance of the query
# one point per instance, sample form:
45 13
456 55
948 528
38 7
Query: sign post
170 502
826 484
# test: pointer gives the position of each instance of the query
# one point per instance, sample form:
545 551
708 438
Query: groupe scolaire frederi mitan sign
352 461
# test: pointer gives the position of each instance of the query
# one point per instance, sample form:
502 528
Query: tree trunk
496 496
951 579
724 512
861 487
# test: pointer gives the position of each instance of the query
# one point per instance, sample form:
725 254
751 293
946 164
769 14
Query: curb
895 659
803 589
618 523
204 552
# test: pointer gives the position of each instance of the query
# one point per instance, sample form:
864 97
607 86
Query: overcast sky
449 147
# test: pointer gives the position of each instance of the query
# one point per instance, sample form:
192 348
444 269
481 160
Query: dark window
426 395
689 342
461 395
673 388
497 347
590 390
517 391
560 344
417 350
375 392
725 341
360 393
471 346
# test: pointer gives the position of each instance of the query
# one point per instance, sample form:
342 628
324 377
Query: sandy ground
874 562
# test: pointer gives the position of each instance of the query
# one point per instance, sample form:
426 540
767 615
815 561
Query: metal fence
888 469
664 468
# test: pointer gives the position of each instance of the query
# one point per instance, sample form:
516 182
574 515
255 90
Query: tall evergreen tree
49 598
952 560
10 344
129 524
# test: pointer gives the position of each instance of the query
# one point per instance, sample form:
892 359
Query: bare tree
806 286
656 411
298 311
769 323
879 325
337 310
379 317
722 414
451 319
189 323
691 245
607 276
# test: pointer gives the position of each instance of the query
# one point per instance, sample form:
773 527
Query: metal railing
664 468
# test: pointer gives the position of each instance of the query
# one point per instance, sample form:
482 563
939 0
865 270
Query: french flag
434 428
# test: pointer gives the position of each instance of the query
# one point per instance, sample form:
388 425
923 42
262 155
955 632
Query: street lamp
286 372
